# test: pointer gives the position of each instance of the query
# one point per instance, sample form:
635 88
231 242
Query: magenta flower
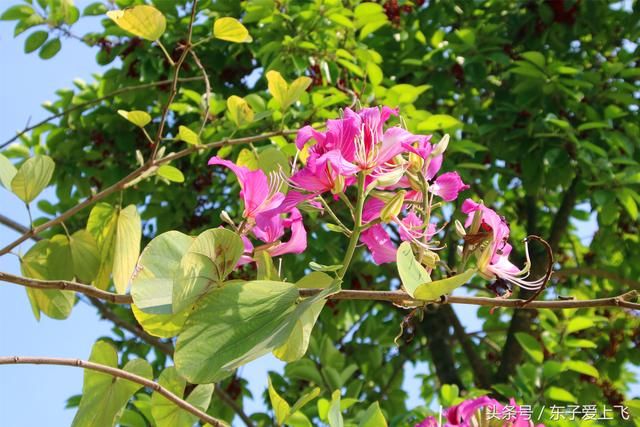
259 193
270 229
328 172
468 414
494 261
379 244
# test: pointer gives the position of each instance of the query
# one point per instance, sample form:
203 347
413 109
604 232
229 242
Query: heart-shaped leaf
432 291
32 177
284 93
143 21
209 260
231 30
412 273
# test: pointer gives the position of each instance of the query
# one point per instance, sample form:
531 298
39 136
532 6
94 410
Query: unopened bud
393 207
415 162
430 259
338 185
441 146
139 158
390 178
460 229
477 218
224 216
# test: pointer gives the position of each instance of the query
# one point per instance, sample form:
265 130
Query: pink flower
494 261
325 173
468 414
423 148
258 193
448 185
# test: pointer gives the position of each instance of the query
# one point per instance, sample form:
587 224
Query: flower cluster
396 175
482 411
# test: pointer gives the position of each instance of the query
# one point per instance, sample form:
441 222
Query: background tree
540 98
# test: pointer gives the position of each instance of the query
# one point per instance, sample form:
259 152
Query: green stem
357 228
333 215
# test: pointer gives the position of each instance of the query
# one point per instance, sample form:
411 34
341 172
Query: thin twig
596 272
174 85
115 372
399 297
207 91
94 101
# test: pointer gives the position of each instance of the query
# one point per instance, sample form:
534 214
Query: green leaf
433 290
160 325
187 135
341 20
448 394
239 110
17 12
335 414
248 322
32 177
104 396
137 117
85 255
171 173
264 264
212 256
284 93
143 21
50 48
152 284
535 58
304 399
439 122
49 260
582 368
559 394
168 414
374 72
7 172
627 198
579 323
373 417
579 343
412 273
281 408
231 30
35 40
127 247
531 346
304 318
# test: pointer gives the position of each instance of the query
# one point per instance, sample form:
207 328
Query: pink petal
298 241
379 244
448 186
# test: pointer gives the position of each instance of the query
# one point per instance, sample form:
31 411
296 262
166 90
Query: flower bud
338 185
393 207
430 259
460 229
415 162
441 146
224 216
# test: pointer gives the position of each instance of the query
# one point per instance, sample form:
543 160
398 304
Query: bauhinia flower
259 193
493 261
482 411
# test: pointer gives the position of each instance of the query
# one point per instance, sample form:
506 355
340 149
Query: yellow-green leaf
231 30
531 346
582 368
284 94
127 247
143 21
137 117
280 406
32 177
239 111
438 122
433 290
248 159
187 135
85 255
167 413
373 417
412 273
171 173
7 172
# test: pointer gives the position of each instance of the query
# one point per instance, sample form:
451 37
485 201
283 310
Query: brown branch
115 372
16 226
207 93
398 297
94 101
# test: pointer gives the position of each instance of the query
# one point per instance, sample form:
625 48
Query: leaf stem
357 228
